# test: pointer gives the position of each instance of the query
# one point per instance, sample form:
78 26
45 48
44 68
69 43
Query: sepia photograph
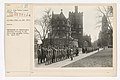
49 39
73 36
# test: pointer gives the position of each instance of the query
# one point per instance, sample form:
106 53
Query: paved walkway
65 62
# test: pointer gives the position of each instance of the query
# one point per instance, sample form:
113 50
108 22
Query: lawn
100 59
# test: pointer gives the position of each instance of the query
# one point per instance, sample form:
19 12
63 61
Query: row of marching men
51 54
89 49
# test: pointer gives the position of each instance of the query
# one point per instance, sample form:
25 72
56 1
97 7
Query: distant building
104 24
86 41
105 36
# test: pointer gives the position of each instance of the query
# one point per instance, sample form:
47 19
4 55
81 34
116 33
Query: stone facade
66 31
76 19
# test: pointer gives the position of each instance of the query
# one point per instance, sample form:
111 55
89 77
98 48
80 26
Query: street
102 58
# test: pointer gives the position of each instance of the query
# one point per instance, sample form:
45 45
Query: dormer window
80 26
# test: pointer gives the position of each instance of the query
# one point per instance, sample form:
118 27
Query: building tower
107 38
76 19
104 24
60 34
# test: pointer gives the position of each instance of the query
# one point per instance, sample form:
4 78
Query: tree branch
38 33
110 25
100 11
106 14
44 23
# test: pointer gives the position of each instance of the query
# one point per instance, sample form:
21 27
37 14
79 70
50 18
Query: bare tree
105 11
106 36
45 24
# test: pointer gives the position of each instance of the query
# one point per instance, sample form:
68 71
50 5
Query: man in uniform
47 56
53 55
42 52
39 54
98 49
68 53
77 51
71 54
83 50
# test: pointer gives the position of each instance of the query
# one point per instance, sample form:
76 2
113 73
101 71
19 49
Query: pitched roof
60 16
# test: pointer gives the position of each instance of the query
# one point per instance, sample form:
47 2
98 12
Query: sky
89 16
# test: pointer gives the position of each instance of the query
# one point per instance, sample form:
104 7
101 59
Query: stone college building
66 31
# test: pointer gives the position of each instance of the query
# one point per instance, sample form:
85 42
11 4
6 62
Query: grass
100 59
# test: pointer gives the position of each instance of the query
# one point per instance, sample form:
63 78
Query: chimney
76 9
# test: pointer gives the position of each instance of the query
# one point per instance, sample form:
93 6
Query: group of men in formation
89 49
50 55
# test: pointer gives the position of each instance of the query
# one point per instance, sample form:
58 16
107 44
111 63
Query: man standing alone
69 53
